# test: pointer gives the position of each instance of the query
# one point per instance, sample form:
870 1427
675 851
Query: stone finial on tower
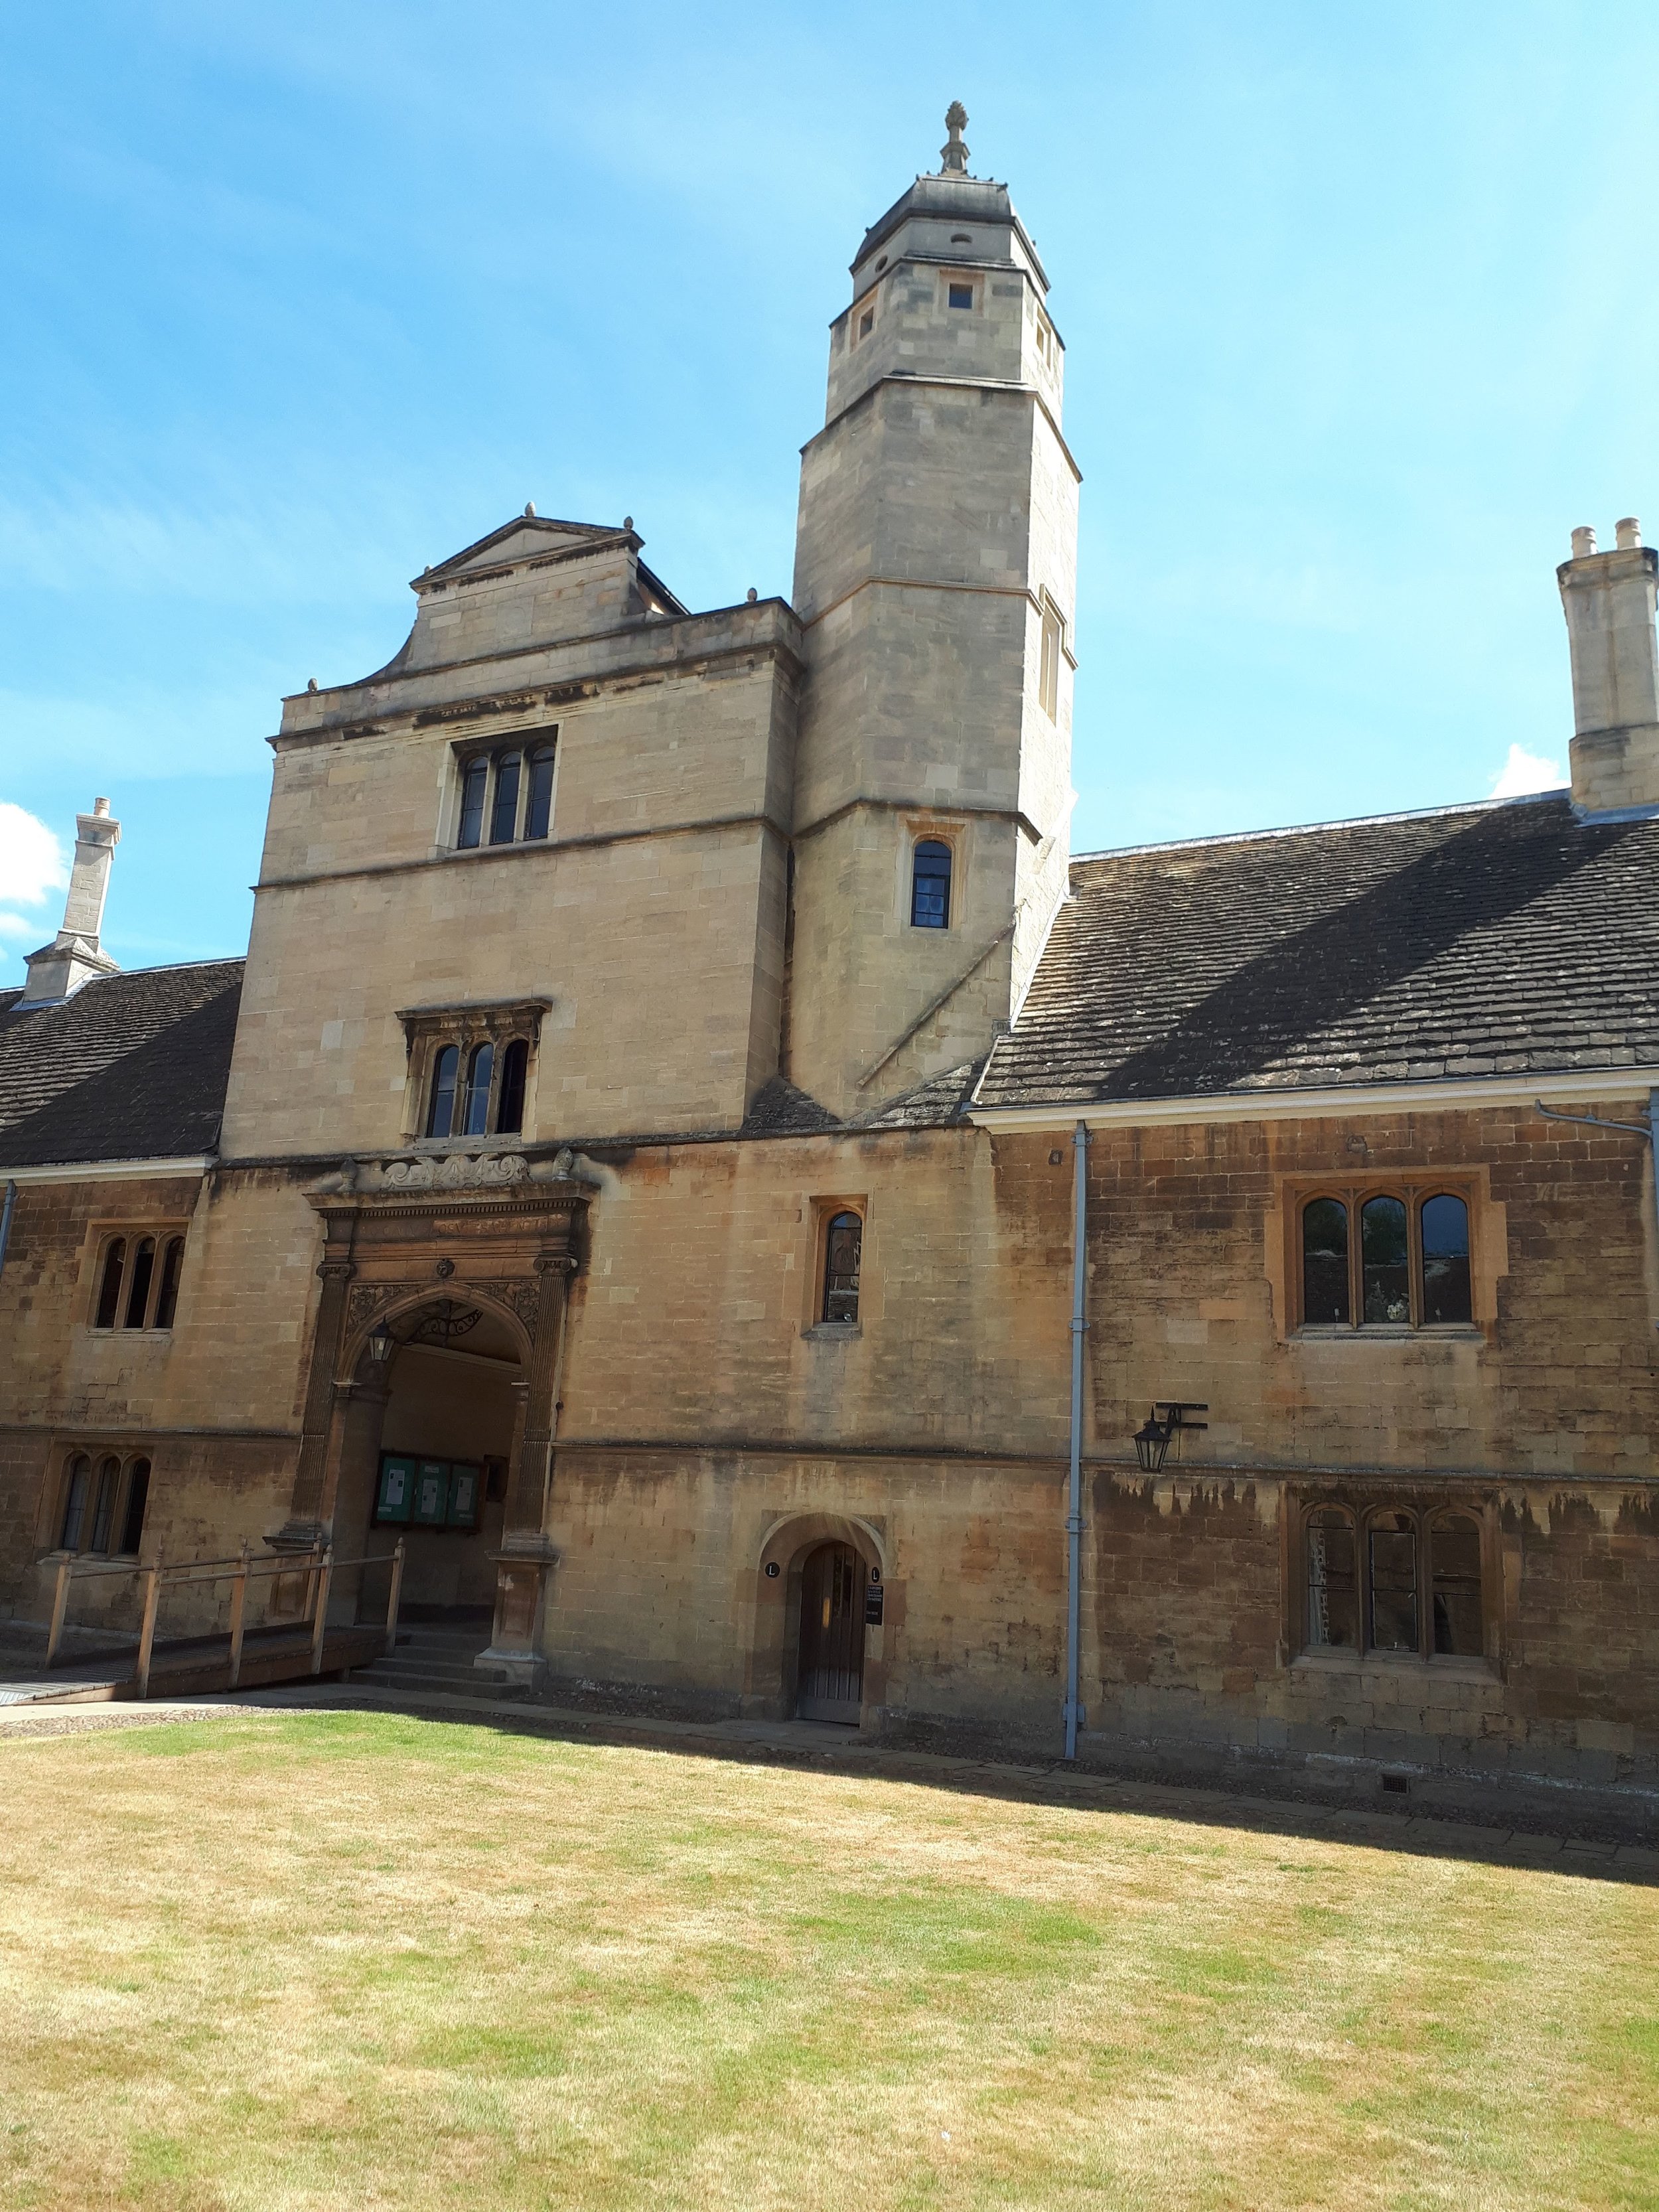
74 957
1609 602
953 155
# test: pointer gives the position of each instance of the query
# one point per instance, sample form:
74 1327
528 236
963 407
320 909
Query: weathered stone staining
639 1177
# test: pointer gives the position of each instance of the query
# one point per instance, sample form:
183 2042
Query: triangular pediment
527 536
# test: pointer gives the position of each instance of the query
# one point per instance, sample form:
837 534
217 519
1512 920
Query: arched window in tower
480 1068
509 1112
538 806
844 1249
930 885
109 1290
441 1114
475 779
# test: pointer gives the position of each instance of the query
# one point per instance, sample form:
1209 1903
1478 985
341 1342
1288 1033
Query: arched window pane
844 1249
930 885
143 1267
479 1069
109 1290
1325 1261
473 785
538 806
509 1113
132 1520
504 814
1445 1222
104 1512
1387 1294
75 1502
1455 1558
1332 1591
166 1302
441 1113
1392 1541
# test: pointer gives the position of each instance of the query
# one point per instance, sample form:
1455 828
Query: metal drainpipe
6 1213
1074 1515
1648 1128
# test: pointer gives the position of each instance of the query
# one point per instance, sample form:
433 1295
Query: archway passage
831 1676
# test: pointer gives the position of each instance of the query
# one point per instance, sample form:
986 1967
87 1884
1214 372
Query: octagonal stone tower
935 574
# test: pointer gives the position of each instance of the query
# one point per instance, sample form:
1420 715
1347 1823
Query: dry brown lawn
344 1961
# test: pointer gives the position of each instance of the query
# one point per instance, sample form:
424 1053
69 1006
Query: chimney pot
1584 544
101 806
1627 534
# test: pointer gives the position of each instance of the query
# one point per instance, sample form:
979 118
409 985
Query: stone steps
437 1657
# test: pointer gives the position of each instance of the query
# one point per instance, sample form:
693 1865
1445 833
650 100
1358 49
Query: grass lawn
343 1959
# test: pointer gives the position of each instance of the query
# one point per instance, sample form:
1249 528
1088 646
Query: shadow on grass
803 1748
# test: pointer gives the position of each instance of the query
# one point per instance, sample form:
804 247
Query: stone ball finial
753 595
530 507
311 683
628 522
953 154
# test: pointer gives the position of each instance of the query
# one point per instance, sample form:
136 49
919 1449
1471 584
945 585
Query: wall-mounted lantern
1152 1442
381 1344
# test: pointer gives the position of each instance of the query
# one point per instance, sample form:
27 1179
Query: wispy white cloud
1523 772
32 864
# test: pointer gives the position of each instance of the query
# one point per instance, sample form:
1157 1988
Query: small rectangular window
1053 634
844 1249
474 779
538 808
960 295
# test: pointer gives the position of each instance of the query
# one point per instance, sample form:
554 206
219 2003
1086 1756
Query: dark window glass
132 1520
143 1266
104 1512
75 1502
109 1290
1445 1222
1387 1297
1454 1561
509 1113
504 814
962 295
1393 1583
167 1302
441 1113
538 808
843 1248
479 1069
1333 1590
1325 1261
473 783
929 886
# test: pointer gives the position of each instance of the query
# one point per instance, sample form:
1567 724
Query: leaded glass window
930 885
843 1247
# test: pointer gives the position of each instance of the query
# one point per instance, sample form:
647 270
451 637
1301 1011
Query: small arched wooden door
831 1677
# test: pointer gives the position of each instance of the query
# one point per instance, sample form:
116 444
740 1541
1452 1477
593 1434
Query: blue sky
1359 306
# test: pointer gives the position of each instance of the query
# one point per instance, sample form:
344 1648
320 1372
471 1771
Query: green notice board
431 1493
396 1495
465 1483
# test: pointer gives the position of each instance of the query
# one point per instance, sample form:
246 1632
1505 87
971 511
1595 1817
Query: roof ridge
1312 828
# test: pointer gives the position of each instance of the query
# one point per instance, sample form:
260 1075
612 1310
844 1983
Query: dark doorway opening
831 1678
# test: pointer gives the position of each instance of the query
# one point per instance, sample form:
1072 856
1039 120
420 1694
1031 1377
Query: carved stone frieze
368 1298
446 1171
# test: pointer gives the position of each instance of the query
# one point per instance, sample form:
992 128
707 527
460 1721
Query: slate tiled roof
132 1067
1487 940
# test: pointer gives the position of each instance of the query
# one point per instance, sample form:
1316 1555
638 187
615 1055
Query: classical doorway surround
489 1230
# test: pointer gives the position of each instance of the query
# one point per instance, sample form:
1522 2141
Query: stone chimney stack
73 956
1609 600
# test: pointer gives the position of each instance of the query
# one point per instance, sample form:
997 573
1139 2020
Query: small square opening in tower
960 295
867 323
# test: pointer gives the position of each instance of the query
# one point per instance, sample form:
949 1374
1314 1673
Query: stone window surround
820 1211
1363 1507
428 1030
54 1496
523 738
918 827
101 1235
1488 1250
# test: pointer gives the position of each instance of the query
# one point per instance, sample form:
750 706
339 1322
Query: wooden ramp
197 1667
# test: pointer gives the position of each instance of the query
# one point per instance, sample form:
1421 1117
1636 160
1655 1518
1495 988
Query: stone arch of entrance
789 1546
425 1298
